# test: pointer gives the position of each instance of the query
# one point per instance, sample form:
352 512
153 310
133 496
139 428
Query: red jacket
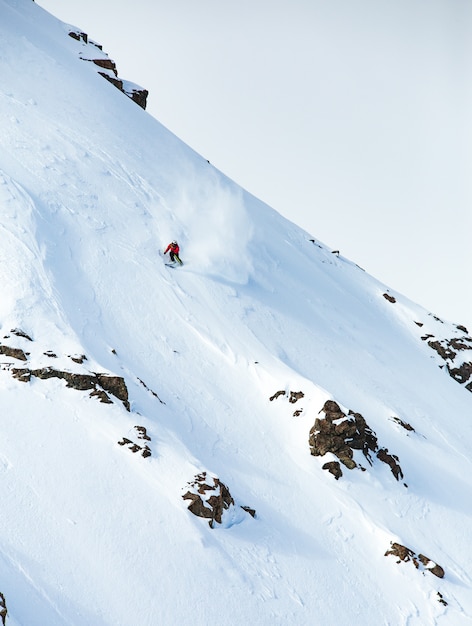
174 247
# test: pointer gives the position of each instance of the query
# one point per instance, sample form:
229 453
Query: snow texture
91 189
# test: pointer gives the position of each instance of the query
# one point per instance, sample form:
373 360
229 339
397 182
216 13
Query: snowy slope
91 189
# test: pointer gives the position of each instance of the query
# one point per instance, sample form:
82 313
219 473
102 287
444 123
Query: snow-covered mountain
266 435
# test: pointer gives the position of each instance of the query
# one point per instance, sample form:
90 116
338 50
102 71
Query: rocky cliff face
93 53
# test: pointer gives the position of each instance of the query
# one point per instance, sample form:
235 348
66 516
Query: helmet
174 243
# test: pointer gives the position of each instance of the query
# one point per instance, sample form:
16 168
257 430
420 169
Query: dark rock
441 599
252 512
403 424
3 609
443 350
341 435
15 353
276 395
78 358
142 434
392 461
430 566
209 499
101 395
78 35
462 373
420 561
295 395
389 298
333 468
82 382
20 333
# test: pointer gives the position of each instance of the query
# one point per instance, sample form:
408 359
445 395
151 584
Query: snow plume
214 226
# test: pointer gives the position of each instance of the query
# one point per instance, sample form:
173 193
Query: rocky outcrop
293 397
420 561
210 498
341 435
453 351
99 383
93 53
135 447
14 353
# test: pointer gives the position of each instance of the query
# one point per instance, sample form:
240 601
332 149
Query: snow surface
91 190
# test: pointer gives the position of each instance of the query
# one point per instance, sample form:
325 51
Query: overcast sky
353 118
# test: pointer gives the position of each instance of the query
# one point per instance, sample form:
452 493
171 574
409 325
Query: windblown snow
94 526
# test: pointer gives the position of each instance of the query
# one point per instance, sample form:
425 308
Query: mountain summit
265 435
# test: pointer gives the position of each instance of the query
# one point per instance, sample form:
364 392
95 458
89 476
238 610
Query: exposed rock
133 91
441 599
403 424
293 396
210 499
150 391
15 353
388 297
20 333
78 358
252 512
448 350
462 373
345 436
113 384
333 468
419 560
392 461
443 350
3 609
133 446
142 434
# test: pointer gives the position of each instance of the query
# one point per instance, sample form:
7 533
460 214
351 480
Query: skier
173 249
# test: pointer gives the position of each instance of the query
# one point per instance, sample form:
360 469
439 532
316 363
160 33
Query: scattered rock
403 424
419 561
210 499
441 599
342 438
134 447
389 298
293 396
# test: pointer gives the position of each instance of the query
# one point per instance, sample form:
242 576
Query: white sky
352 119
